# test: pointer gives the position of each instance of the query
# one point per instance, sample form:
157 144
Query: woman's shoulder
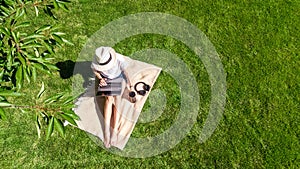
120 57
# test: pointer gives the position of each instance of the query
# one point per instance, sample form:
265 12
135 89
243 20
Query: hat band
105 63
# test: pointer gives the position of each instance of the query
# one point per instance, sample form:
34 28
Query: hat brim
107 66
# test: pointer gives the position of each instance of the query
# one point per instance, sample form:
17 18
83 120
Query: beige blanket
125 114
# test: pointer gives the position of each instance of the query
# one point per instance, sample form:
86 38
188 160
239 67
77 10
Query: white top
116 70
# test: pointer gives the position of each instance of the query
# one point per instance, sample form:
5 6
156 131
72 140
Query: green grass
257 42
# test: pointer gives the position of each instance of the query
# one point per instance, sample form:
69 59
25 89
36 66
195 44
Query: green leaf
55 4
58 38
7 11
33 71
14 36
2 98
9 61
39 59
72 114
10 93
22 110
12 51
50 128
17 13
9 2
48 59
37 52
51 66
19 77
53 98
41 67
48 46
59 127
69 100
25 74
23 24
28 70
43 28
29 41
18 35
68 106
1 74
21 13
5 31
42 90
5 104
45 117
4 14
63 6
38 126
35 45
68 118
22 60
2 114
36 11
67 42
33 36
59 33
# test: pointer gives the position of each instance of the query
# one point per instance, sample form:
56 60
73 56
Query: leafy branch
51 111
21 53
24 52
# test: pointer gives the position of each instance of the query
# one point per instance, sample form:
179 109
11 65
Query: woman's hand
129 87
102 82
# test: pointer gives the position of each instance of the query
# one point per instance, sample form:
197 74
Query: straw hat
104 59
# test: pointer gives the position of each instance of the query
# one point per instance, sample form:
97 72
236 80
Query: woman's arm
97 74
102 80
127 78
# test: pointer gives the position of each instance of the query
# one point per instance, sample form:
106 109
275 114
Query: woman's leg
115 125
107 118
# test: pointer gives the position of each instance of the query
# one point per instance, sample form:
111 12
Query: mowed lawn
257 42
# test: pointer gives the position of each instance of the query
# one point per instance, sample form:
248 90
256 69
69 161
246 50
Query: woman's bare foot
107 144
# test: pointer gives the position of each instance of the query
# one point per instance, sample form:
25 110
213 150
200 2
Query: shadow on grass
69 68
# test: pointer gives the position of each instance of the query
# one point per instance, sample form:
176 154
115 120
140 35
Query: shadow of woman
69 68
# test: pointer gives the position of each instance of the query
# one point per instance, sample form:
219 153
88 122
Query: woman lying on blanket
108 66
